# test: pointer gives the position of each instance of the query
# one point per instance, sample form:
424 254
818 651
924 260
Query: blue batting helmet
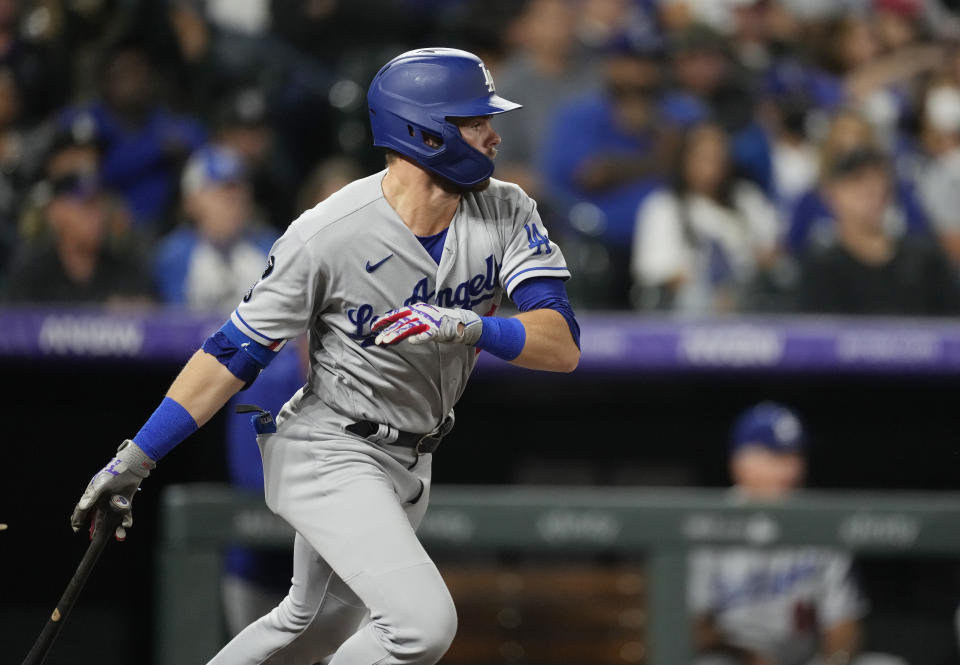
769 425
411 98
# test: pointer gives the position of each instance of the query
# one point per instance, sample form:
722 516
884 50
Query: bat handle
113 511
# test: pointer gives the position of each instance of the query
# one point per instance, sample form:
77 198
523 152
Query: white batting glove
421 323
122 475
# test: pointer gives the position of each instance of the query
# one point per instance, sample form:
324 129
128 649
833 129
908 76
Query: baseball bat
113 511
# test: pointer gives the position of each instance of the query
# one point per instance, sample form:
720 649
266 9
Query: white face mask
943 108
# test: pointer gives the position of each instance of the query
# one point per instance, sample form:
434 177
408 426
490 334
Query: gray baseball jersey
776 601
350 259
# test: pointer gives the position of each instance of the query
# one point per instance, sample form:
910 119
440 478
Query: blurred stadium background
759 200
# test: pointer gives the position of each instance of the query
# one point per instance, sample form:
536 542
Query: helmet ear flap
460 162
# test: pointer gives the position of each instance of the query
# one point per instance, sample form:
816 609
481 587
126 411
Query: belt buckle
430 438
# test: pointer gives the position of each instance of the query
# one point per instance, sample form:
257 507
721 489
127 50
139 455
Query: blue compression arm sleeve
169 425
505 338
547 293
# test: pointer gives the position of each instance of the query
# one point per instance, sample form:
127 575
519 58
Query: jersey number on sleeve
536 239
266 273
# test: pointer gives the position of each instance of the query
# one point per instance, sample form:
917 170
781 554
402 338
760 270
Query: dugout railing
660 525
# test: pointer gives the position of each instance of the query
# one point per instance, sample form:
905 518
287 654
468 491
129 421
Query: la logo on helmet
487 78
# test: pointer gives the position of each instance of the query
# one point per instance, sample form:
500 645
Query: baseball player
779 606
396 279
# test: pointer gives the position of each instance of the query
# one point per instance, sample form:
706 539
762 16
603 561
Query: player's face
479 133
765 474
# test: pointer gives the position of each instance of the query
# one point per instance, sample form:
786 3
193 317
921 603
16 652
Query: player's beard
453 188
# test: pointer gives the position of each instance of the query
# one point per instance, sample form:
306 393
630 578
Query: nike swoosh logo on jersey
371 268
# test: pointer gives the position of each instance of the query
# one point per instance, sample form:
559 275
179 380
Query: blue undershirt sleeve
547 293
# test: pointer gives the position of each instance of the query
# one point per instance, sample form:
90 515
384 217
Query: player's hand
122 475
421 323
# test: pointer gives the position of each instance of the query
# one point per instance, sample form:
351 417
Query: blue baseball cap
210 166
769 425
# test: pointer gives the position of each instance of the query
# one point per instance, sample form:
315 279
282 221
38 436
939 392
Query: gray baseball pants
363 589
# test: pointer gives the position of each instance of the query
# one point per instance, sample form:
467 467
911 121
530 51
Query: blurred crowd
692 156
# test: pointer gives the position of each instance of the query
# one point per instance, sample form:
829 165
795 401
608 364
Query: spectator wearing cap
868 270
242 123
210 264
774 605
68 150
144 145
603 153
77 266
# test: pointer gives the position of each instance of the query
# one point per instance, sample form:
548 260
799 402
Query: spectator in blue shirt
607 150
144 145
712 82
210 264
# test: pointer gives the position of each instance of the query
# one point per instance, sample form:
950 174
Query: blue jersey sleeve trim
506 284
547 293
256 332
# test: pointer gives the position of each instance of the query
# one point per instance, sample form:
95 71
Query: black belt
384 434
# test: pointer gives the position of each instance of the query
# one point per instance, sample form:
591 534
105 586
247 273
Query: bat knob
119 503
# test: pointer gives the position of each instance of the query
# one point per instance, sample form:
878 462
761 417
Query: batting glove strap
137 461
421 323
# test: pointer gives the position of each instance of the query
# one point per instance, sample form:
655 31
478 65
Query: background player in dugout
780 605
347 463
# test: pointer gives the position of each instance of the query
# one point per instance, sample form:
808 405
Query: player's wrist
504 338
